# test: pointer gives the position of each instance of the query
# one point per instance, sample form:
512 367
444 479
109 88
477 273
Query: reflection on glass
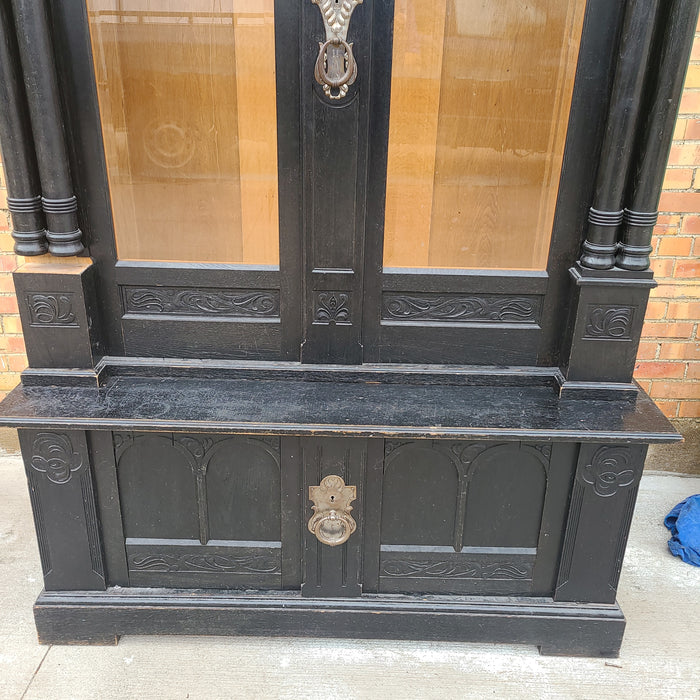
187 100
480 93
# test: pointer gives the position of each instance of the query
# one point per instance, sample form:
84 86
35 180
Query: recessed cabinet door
471 518
186 100
202 511
336 182
487 176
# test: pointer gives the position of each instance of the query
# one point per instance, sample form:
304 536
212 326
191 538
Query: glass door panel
187 98
480 101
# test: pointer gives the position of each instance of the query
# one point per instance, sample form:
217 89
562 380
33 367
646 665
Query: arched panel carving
157 488
243 491
507 485
419 496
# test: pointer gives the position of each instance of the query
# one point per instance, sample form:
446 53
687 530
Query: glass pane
187 99
480 99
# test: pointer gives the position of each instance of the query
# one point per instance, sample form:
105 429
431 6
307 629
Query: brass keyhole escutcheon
331 522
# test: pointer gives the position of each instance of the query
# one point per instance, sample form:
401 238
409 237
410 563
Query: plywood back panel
187 101
481 93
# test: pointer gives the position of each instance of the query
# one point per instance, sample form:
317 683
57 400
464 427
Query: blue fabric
684 523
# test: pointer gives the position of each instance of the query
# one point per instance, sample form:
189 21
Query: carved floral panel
608 322
51 309
201 301
489 308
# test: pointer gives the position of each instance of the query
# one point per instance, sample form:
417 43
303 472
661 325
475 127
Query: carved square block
57 305
605 325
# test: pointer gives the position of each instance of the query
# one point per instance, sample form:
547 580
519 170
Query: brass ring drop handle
336 50
342 82
331 522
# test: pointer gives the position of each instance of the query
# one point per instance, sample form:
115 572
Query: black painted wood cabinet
332 308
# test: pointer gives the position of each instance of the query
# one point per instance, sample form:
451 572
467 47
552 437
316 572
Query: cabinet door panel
487 515
200 510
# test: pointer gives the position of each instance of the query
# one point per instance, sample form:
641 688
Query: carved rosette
53 455
332 308
609 471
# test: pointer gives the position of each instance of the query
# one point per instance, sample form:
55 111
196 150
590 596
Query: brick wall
12 358
669 355
668 364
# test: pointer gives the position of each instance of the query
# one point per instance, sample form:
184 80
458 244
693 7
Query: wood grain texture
480 104
188 109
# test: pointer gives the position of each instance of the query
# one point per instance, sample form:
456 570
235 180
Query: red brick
668 408
690 224
660 370
15 344
680 201
645 384
8 305
676 290
6 284
8 263
680 129
679 351
677 246
683 154
693 370
679 178
690 102
16 363
692 77
684 310
12 324
7 243
687 268
662 329
675 390
647 350
691 128
8 381
662 268
689 409
656 309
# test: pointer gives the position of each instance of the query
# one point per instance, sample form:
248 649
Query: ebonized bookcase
267 393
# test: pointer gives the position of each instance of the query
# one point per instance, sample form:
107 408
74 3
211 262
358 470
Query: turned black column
606 214
40 78
23 188
654 144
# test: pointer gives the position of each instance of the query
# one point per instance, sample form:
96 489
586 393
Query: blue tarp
684 523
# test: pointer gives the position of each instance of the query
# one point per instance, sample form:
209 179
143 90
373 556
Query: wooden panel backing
480 102
188 108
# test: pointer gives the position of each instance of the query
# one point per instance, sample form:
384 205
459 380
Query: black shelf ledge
294 404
